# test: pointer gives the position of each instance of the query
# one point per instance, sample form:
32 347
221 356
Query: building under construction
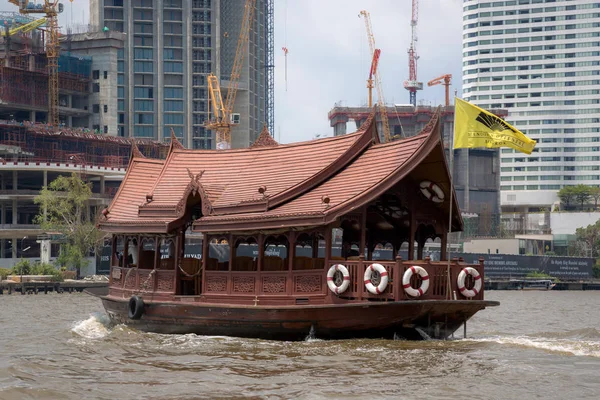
475 169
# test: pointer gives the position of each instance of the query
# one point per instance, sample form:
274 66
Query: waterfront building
171 47
539 60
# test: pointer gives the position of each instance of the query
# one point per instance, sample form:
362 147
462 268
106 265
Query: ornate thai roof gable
194 188
264 139
135 151
175 143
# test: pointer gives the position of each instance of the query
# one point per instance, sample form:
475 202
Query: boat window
167 253
246 254
131 261
275 256
383 251
147 252
218 254
117 258
310 251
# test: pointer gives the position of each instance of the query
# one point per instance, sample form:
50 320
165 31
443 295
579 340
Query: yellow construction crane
26 27
51 8
381 100
223 117
444 80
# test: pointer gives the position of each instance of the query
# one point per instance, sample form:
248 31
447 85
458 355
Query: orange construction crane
223 117
372 72
444 80
381 101
51 8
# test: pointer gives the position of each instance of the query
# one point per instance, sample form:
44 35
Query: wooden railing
302 283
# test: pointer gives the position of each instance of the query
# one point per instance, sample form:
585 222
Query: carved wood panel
216 284
146 280
243 284
273 284
165 283
308 284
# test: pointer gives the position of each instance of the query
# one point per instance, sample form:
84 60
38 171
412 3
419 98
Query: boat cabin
279 221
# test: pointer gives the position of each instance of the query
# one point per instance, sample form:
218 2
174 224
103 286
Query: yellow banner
475 127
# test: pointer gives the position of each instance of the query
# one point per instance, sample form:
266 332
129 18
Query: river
535 345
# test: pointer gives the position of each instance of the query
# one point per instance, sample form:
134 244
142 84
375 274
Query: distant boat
529 284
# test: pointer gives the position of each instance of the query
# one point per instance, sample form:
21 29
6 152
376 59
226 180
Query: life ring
382 282
331 284
135 307
421 290
461 282
432 191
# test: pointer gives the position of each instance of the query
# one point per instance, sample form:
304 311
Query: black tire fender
135 308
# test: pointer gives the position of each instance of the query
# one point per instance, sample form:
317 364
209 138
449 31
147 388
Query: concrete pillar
45 178
339 129
14 248
2 247
15 184
102 185
2 214
32 116
70 101
45 251
69 121
14 211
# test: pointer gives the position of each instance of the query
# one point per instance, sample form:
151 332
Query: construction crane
26 27
444 80
51 9
372 72
223 117
412 85
380 99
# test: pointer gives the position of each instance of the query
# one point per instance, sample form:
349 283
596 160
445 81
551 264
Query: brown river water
535 345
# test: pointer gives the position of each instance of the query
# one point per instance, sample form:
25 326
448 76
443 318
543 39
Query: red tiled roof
267 186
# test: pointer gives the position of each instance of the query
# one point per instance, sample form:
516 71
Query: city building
538 59
32 156
475 173
171 47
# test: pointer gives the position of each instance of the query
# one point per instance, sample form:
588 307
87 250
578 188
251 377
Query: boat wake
95 327
570 345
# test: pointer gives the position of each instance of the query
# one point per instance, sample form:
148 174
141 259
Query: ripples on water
536 344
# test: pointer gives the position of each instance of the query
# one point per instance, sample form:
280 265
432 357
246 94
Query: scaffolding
40 143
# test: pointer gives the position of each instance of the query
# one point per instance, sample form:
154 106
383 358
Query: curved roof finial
135 151
175 143
264 139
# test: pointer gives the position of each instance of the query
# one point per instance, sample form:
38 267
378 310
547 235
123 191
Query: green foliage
23 267
587 240
566 195
582 194
550 253
4 272
595 194
63 208
540 275
596 270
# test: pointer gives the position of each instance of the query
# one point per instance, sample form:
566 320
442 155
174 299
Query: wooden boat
532 284
281 201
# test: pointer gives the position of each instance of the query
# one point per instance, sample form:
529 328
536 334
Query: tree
567 195
582 194
588 239
63 208
595 194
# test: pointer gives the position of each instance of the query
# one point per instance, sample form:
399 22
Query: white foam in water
95 327
585 348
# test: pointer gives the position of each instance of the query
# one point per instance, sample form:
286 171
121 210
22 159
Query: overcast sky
328 59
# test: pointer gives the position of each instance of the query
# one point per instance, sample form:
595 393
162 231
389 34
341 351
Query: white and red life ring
383 281
331 284
432 191
461 282
421 290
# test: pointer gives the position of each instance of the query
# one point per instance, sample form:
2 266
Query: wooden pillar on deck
363 233
443 246
177 260
291 255
411 239
231 251
328 240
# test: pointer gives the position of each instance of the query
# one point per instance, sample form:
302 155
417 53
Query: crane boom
381 101
222 110
444 80
26 27
412 84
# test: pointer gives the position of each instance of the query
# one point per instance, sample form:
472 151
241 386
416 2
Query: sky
328 57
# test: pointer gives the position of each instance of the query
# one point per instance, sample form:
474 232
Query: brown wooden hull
436 318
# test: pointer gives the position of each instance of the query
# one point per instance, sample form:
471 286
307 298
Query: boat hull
408 319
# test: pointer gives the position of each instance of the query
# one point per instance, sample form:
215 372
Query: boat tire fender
421 290
468 293
383 282
135 307
330 282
